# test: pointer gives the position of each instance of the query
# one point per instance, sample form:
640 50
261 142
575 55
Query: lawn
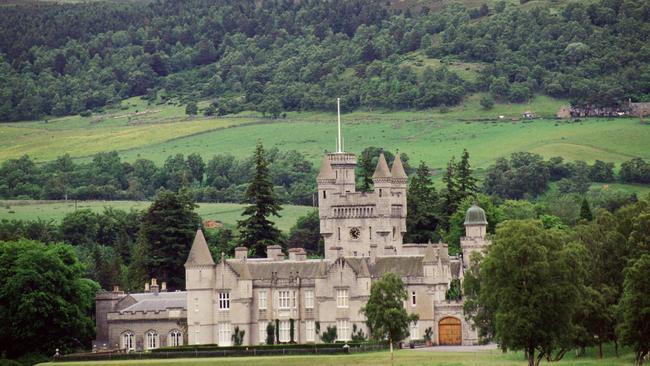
227 213
402 357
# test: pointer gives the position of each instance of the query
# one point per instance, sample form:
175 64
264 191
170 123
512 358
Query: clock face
355 233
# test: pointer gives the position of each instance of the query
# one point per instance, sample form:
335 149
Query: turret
475 232
382 179
326 180
199 282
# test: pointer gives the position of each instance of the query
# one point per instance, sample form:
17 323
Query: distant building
363 234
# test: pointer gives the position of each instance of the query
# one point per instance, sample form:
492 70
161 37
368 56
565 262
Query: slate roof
326 171
398 169
263 269
382 170
158 302
404 266
200 253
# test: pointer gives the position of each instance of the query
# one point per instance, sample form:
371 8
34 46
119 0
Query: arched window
175 338
128 341
152 339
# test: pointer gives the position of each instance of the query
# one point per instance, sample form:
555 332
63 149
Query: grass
402 357
227 213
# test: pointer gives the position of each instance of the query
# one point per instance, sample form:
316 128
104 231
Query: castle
363 234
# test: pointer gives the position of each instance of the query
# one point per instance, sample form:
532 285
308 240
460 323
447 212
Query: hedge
215 347
241 351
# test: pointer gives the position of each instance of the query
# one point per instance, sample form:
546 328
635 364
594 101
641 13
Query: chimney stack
297 254
146 287
163 287
154 286
274 252
241 253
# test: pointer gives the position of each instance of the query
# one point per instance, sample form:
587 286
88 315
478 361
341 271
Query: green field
402 357
227 213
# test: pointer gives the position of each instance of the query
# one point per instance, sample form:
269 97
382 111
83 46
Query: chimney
163 287
116 288
274 252
146 287
241 253
297 254
154 286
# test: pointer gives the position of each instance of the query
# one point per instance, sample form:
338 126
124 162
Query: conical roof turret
475 216
398 169
326 171
382 170
200 253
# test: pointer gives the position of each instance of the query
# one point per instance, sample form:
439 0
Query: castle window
339 233
152 339
284 331
284 299
128 341
415 331
175 338
342 298
413 298
379 192
262 300
309 330
309 299
225 334
224 301
393 232
261 330
324 194
370 232
343 330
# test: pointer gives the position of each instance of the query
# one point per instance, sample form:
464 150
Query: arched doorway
449 332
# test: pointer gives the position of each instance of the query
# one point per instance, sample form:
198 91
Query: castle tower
199 282
475 233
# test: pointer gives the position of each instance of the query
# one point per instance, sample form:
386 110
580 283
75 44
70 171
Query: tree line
284 56
222 179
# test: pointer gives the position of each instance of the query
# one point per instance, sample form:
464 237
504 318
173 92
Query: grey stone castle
363 240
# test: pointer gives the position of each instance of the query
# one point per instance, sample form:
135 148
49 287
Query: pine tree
450 197
585 211
164 240
421 220
465 181
256 230
366 170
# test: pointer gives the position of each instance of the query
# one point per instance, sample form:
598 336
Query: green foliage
524 175
531 280
306 234
384 311
422 200
191 109
256 231
487 102
428 334
635 308
455 291
635 170
238 336
585 211
329 335
517 210
358 335
46 301
166 233
270 333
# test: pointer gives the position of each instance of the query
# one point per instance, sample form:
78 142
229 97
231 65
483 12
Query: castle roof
265 269
398 169
475 216
382 170
150 301
200 253
326 171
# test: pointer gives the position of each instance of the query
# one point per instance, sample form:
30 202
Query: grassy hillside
157 131
227 213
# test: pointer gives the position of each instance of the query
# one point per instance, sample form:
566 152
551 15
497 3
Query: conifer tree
256 230
450 196
366 170
585 211
421 220
465 181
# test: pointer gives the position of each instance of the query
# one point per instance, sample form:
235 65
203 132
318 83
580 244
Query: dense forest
60 59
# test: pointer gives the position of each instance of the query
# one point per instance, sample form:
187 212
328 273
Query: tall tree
531 280
635 308
366 169
46 302
422 218
164 240
306 234
465 180
386 317
256 230
450 197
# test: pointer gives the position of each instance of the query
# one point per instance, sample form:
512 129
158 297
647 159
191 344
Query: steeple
199 254
326 171
382 170
398 169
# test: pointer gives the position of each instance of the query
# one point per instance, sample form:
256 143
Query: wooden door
449 332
